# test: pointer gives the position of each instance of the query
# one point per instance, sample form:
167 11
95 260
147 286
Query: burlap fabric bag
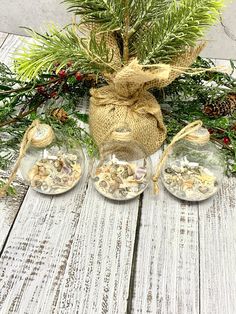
127 100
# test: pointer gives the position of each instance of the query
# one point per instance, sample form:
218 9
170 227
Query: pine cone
221 107
59 114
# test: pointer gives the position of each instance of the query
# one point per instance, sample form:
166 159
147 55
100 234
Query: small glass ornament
52 164
123 170
194 168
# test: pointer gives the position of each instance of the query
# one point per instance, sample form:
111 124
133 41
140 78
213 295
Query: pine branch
21 107
22 115
108 14
179 27
53 50
142 15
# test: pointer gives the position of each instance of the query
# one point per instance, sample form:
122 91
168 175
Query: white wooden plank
166 272
11 43
3 37
35 256
9 206
218 251
98 271
218 247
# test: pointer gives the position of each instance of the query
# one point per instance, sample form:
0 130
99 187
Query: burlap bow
126 99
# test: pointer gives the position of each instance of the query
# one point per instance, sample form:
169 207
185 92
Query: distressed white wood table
80 253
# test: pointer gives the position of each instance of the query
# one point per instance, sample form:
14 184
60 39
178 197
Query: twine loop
200 136
189 133
42 136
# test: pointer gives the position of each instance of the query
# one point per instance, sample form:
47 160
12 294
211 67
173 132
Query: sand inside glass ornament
123 170
194 168
52 166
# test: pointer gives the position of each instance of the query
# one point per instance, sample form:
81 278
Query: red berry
226 140
41 89
211 131
53 94
78 76
62 74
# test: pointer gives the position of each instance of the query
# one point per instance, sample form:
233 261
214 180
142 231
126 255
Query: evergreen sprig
108 14
21 103
52 51
183 101
179 27
153 31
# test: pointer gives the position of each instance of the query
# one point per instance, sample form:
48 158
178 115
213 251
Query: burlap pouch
127 100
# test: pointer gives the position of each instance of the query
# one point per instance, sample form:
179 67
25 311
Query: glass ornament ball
53 164
123 170
194 169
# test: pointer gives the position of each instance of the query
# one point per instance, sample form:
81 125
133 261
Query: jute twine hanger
37 135
189 133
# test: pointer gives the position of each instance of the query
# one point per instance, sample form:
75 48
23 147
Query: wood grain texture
98 271
186 254
11 43
9 206
78 252
35 256
166 272
3 37
217 241
218 251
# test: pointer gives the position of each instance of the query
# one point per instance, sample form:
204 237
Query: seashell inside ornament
52 163
123 171
194 168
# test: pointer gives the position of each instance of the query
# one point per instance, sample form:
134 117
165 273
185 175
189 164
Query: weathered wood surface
35 256
217 245
3 37
80 253
185 260
96 235
98 272
166 268
9 206
10 44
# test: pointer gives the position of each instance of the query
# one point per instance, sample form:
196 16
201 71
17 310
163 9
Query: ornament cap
43 136
199 136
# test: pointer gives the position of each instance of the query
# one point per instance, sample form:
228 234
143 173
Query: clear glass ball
123 170
53 169
192 171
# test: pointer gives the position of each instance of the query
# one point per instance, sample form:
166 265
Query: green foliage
179 27
71 130
108 14
52 51
21 103
154 31
11 191
182 102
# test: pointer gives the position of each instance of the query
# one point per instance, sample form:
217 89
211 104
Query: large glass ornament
194 168
123 170
52 164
